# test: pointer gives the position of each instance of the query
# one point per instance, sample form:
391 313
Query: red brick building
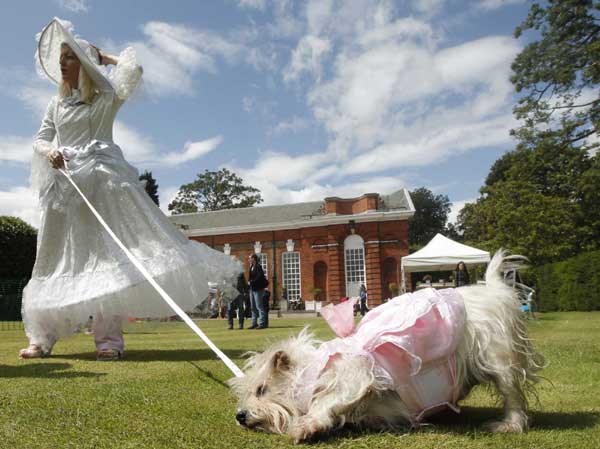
333 245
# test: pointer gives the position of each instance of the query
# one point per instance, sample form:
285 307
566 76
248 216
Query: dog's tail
496 325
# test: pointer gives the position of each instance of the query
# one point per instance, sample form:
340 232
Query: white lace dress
79 270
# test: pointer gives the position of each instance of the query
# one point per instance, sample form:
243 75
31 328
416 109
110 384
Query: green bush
573 284
17 248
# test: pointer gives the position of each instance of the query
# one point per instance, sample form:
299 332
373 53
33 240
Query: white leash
232 366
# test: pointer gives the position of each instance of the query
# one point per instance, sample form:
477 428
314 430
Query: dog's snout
241 416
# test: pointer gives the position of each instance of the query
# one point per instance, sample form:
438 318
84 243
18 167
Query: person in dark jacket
461 275
258 282
363 300
238 303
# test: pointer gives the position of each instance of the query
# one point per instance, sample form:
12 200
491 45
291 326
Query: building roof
281 216
250 215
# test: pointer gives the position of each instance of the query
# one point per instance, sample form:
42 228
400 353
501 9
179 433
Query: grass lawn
169 392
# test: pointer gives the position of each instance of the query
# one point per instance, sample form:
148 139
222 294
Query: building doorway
320 278
389 274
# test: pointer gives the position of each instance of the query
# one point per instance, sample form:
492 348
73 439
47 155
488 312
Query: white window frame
291 295
354 258
264 263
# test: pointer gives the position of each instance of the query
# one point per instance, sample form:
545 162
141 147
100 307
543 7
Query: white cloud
284 170
286 23
396 100
428 7
20 202
253 4
191 151
136 147
294 124
75 6
16 149
315 191
166 195
456 207
172 54
307 56
495 4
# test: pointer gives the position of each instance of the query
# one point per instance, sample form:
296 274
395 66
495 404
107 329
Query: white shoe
33 352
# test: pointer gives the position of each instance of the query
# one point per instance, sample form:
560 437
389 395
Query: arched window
354 262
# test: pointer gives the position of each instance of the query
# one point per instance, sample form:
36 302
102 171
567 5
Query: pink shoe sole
108 355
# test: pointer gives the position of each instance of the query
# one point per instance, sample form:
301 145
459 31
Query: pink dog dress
411 340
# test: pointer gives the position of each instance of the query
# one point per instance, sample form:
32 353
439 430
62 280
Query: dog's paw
504 427
304 429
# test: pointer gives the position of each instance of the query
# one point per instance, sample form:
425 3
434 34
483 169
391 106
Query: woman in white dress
79 270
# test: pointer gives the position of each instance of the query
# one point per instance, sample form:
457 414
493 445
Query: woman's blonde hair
86 86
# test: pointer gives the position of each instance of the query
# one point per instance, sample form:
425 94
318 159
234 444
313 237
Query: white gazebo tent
441 254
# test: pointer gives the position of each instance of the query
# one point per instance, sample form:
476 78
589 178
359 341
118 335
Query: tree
558 75
214 190
18 247
431 215
514 216
151 186
541 199
549 169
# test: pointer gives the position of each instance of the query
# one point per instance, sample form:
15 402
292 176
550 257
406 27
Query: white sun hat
50 40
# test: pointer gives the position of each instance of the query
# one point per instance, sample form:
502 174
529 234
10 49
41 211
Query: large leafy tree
558 75
17 247
563 184
515 216
151 186
541 199
214 190
431 215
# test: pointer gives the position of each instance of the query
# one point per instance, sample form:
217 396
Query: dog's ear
281 361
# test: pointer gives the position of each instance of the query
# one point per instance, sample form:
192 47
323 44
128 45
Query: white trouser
108 333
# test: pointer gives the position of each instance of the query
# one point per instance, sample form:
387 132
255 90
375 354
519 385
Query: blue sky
302 99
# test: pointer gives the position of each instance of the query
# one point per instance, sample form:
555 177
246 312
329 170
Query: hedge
17 248
572 284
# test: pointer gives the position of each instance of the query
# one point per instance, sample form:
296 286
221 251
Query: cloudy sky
303 99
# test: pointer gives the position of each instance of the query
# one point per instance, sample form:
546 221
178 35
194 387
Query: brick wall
385 243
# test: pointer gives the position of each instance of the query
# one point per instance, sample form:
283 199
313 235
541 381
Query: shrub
572 284
17 247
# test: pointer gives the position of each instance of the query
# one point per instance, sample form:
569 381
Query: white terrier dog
408 359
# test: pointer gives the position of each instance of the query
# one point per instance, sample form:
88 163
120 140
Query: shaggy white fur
494 350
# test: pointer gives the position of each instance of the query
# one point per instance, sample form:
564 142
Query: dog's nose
240 416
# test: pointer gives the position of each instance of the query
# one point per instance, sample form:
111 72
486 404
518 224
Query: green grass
170 393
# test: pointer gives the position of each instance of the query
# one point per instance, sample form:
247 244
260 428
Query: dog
447 342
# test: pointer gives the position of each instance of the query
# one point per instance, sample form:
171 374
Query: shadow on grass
159 355
209 375
44 370
471 419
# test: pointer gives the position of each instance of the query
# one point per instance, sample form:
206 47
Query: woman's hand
105 59
56 159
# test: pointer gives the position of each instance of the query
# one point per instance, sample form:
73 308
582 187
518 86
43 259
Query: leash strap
164 295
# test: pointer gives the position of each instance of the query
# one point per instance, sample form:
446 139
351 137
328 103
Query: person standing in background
363 300
461 275
258 282
238 303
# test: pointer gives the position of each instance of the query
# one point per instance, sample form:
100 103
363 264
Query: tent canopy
442 254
